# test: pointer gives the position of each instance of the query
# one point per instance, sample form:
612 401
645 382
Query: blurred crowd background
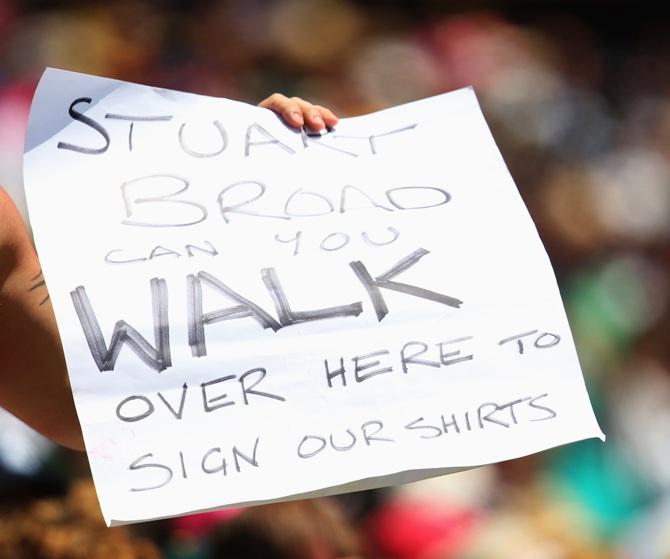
578 97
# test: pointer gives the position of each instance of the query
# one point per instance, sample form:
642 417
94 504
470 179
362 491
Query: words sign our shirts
251 313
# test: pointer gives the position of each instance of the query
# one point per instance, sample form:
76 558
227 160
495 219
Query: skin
34 384
297 112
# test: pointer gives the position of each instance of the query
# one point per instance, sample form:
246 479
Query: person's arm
33 378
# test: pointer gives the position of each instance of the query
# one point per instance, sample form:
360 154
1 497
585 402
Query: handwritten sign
252 313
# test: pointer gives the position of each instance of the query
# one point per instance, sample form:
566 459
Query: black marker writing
375 427
360 366
223 467
134 119
246 390
76 115
339 372
240 207
190 217
158 358
136 416
197 319
305 204
311 450
190 250
372 139
215 394
269 140
345 446
453 357
490 415
394 232
343 441
407 359
213 461
393 197
315 140
287 317
533 404
338 240
295 239
334 241
219 401
550 340
180 412
224 141
237 454
373 285
137 465
110 260
429 431
346 195
487 417
162 251
300 193
453 423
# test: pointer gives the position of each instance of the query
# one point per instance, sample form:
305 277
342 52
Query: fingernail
297 118
318 121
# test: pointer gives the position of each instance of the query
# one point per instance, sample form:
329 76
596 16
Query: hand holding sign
298 112
240 327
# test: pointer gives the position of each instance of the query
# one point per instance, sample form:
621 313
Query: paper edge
363 484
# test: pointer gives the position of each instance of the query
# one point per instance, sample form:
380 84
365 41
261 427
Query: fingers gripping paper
251 313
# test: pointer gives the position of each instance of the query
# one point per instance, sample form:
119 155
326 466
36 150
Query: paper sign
252 313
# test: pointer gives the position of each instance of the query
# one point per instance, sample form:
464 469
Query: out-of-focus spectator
68 528
314 529
579 102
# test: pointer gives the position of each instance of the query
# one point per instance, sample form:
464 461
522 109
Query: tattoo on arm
37 283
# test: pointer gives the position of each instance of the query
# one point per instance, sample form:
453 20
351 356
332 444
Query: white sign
250 313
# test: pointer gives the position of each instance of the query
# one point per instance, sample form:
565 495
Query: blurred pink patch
15 101
467 48
404 529
197 525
